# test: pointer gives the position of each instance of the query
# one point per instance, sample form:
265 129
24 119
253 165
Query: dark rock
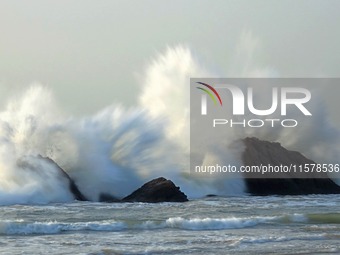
107 198
157 190
72 186
264 187
259 152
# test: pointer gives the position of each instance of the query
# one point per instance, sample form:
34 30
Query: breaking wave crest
20 227
118 149
114 151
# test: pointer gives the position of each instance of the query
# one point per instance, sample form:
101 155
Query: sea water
118 149
214 225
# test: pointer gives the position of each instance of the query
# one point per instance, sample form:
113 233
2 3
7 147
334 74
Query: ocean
119 148
213 225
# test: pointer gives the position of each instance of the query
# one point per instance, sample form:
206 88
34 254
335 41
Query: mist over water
118 149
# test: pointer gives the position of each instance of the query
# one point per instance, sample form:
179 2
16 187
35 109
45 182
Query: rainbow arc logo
213 94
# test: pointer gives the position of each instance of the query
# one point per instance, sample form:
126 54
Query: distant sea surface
215 225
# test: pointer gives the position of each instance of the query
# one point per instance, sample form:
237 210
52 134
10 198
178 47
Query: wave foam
114 151
216 224
20 227
23 228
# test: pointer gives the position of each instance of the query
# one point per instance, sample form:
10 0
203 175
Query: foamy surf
113 151
219 224
21 227
53 227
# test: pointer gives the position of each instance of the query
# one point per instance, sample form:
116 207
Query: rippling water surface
232 225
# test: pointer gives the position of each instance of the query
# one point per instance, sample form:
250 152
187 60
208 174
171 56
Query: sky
94 53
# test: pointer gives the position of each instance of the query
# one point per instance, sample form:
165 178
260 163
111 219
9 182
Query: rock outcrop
107 198
72 186
263 153
157 190
49 174
44 169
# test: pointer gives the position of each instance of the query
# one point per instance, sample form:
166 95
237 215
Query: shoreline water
214 225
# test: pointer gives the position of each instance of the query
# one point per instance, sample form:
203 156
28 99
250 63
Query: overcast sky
91 52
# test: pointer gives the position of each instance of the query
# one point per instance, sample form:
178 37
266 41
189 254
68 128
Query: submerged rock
258 152
107 198
157 190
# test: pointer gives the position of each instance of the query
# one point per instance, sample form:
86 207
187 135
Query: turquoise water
215 225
